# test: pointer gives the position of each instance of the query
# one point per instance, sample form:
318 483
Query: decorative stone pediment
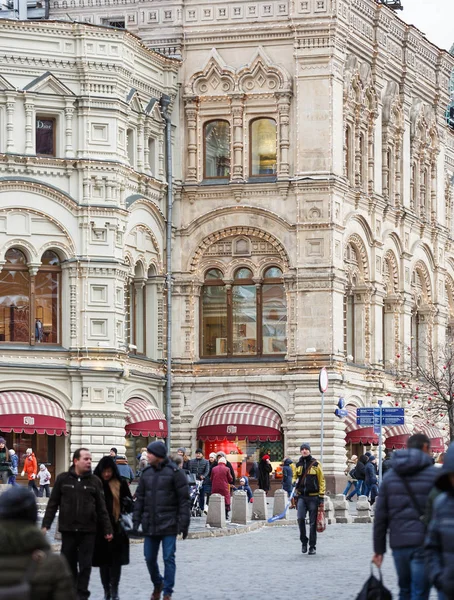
259 76
48 84
134 101
5 85
392 106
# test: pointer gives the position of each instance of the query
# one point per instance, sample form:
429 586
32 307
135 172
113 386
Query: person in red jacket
221 479
31 469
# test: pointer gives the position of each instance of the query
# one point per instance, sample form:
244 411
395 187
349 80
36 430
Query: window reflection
24 306
246 318
217 149
263 147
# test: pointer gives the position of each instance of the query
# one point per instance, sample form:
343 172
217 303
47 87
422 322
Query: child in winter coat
30 468
14 459
44 481
244 487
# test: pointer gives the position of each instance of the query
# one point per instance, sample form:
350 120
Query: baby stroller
194 496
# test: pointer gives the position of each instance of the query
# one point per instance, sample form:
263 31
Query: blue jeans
356 490
308 504
347 487
413 578
365 490
151 549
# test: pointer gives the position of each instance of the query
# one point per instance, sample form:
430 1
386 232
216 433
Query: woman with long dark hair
111 556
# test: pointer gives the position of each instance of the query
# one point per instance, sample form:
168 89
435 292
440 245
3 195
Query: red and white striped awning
144 419
25 412
433 433
397 436
240 420
355 434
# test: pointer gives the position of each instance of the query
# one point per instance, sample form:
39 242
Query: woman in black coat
265 469
111 556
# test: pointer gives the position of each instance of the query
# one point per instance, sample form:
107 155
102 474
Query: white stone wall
100 209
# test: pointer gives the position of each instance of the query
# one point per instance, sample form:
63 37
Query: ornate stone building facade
82 202
314 219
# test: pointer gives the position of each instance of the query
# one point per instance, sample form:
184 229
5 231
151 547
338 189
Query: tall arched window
47 299
263 145
217 150
247 318
30 304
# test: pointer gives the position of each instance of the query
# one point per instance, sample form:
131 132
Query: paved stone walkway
263 564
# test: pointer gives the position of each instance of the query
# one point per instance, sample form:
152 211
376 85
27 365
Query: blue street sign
377 429
341 403
393 421
341 413
365 421
363 412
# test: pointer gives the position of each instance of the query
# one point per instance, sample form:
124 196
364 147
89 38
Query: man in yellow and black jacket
310 492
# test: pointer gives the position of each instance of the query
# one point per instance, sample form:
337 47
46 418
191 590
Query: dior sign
29 420
231 429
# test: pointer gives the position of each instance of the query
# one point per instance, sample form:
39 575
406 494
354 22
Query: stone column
146 132
433 192
140 145
10 102
259 508
398 169
283 106
216 511
237 173
69 111
191 125
29 112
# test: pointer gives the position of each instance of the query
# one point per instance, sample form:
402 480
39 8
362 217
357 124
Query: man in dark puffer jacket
162 507
23 544
396 511
440 539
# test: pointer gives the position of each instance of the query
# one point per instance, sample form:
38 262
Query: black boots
114 593
107 595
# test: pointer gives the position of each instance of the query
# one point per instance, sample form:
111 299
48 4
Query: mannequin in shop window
39 331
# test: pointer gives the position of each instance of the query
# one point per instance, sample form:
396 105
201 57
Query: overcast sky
432 17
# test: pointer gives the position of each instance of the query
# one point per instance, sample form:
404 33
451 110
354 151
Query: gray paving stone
266 563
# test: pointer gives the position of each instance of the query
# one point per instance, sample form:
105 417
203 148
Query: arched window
217 150
47 299
263 147
30 304
247 318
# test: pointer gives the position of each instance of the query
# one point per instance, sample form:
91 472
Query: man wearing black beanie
25 556
163 490
310 490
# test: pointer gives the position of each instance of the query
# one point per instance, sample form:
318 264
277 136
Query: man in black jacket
400 507
162 508
199 465
79 495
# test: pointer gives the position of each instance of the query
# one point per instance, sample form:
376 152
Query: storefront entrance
29 420
245 432
42 445
243 454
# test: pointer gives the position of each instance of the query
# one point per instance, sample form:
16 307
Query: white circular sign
323 380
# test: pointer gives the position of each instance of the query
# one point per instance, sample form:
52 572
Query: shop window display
263 147
30 304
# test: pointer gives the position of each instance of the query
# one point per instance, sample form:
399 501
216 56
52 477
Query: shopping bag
374 589
321 520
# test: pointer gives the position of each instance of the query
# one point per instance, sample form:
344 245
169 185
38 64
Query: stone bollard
280 503
216 511
239 508
259 511
329 511
341 513
363 510
5 487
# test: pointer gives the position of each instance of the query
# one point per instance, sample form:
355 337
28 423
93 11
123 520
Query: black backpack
23 589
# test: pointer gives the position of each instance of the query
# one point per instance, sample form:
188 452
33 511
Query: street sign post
341 413
322 386
378 417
